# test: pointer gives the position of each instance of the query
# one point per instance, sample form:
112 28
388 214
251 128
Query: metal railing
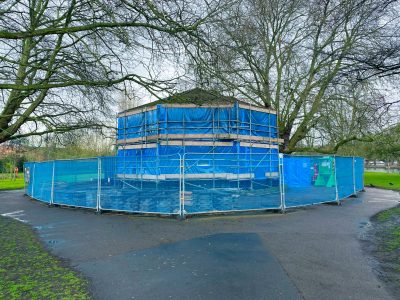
195 183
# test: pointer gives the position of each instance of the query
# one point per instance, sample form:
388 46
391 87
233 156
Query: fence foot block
181 216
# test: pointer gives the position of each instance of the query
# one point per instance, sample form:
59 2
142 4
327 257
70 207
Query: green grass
386 245
391 217
382 180
11 184
387 214
28 271
394 243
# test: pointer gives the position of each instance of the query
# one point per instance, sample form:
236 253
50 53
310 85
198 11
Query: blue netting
75 182
197 120
308 180
140 185
28 170
344 176
231 182
197 182
359 173
209 159
42 178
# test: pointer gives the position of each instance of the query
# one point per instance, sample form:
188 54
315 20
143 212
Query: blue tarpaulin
197 120
206 181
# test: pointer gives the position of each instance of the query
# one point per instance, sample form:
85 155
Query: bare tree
380 56
292 56
61 61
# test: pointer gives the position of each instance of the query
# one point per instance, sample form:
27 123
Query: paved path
312 253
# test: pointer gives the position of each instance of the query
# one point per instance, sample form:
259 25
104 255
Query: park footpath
310 253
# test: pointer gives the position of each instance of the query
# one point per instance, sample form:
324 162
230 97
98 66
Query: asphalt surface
312 253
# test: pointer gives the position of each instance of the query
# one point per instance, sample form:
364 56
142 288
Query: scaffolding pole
251 150
336 184
282 182
98 198
237 144
213 153
52 183
124 147
33 180
182 213
354 177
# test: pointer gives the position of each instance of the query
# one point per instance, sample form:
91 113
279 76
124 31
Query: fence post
98 198
354 177
25 186
180 184
281 182
52 183
33 180
182 187
336 184
362 174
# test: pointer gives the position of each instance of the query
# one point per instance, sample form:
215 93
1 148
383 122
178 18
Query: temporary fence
194 183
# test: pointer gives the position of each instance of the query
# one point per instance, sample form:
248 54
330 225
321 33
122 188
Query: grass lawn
382 180
28 271
10 184
387 246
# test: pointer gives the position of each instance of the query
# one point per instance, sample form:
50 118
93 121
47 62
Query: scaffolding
161 129
185 158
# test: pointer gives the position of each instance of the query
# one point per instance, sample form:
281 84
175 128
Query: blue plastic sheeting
147 164
28 171
121 192
308 180
75 182
257 164
344 176
43 181
197 120
359 173
138 125
257 123
231 181
205 159
140 196
194 182
208 195
297 171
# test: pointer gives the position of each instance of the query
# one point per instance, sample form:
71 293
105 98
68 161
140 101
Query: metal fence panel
308 180
75 182
359 173
218 182
344 176
42 179
140 185
28 178
195 182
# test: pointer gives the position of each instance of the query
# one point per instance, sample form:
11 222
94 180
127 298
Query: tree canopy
303 59
61 61
324 66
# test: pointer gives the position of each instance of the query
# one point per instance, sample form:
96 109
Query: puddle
41 227
53 243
